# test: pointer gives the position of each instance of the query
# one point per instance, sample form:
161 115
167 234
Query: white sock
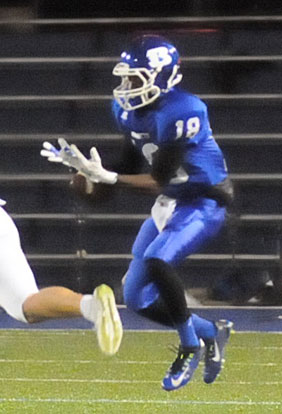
89 308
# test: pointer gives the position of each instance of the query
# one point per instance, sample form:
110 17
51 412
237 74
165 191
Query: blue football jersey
181 118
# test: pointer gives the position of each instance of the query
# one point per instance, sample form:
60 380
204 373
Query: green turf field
64 372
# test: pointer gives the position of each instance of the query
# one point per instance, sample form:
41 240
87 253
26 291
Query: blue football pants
189 228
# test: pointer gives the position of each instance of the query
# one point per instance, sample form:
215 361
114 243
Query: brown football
98 192
81 184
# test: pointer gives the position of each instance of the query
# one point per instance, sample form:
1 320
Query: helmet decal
158 56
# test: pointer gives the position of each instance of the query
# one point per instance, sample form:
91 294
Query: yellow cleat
108 324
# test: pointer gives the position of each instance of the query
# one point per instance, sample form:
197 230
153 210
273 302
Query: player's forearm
141 181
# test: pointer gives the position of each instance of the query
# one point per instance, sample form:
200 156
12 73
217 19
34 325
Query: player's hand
63 154
93 167
71 156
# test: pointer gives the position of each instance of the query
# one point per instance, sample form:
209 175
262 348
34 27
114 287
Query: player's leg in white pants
16 278
21 299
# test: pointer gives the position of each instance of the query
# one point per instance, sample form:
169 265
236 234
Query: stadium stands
55 80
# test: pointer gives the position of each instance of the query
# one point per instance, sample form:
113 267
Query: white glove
93 167
70 156
63 155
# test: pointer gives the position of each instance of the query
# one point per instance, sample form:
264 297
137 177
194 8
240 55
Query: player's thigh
173 245
16 278
178 241
138 291
147 233
136 276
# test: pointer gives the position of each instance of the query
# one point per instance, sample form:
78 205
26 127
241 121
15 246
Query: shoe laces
181 361
210 350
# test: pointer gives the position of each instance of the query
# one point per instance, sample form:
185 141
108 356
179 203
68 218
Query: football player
168 128
22 300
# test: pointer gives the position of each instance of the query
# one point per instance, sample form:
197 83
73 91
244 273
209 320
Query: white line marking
112 401
260 364
54 361
112 362
79 380
113 381
278 348
82 331
26 331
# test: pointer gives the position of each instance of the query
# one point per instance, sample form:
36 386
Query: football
81 184
85 188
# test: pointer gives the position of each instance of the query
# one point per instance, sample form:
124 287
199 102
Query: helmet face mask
137 87
151 68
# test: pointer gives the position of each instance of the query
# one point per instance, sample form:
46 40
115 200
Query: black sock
171 289
157 312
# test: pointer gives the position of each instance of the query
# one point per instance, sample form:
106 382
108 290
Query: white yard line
114 362
114 381
80 380
275 348
69 331
128 401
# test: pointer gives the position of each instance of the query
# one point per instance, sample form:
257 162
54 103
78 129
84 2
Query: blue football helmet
147 69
